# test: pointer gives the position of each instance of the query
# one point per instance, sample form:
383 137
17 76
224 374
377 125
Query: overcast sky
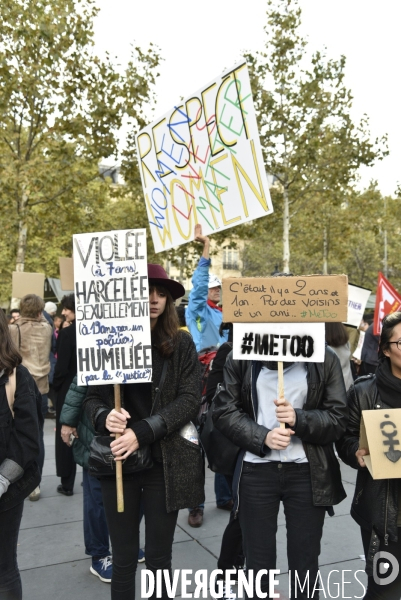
199 39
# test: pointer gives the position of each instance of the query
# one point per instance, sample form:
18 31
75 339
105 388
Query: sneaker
141 555
102 568
195 517
227 593
35 495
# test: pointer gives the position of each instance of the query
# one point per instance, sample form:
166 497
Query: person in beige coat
32 336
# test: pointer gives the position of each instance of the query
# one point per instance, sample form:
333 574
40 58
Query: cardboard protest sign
310 298
66 266
201 162
112 307
27 283
357 300
287 342
380 433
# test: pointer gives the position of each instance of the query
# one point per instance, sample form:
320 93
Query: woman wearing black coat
64 373
376 506
19 453
175 480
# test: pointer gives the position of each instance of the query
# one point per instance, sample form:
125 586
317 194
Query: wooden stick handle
119 464
280 371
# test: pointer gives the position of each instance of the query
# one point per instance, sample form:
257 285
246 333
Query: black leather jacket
375 503
321 422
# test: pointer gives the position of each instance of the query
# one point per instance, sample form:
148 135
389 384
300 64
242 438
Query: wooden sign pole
280 370
119 464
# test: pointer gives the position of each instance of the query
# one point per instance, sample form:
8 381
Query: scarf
389 386
214 305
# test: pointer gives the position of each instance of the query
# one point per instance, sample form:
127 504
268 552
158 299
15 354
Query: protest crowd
274 384
286 448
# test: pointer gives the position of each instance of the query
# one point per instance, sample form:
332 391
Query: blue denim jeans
96 533
222 490
262 487
10 580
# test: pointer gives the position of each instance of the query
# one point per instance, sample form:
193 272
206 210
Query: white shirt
295 390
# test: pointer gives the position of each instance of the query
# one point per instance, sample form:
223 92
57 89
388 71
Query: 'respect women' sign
202 163
112 307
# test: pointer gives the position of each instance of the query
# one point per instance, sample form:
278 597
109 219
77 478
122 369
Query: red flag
388 300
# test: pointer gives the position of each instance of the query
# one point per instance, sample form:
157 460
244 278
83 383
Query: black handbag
101 461
221 453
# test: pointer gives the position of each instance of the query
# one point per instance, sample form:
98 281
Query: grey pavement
53 564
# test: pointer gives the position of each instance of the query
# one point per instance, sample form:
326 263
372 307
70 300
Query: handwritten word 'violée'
109 248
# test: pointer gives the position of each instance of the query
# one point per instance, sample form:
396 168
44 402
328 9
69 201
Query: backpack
205 357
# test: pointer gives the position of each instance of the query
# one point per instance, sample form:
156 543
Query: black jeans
391 591
10 580
231 553
262 487
149 487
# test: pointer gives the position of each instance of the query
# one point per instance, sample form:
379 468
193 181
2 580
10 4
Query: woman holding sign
153 415
377 503
293 463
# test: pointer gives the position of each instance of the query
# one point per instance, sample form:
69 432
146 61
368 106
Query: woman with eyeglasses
376 506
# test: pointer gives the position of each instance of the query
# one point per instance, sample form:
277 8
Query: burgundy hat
158 276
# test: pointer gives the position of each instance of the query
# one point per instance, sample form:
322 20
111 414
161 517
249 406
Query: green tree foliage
310 143
61 108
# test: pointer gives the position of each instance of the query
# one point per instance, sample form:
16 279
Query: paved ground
54 566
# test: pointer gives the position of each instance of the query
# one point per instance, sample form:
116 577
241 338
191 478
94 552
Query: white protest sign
112 307
286 342
202 162
357 300
358 350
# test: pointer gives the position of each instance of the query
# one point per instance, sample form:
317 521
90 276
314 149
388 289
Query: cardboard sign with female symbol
380 433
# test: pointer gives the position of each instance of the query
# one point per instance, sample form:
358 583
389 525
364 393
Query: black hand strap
159 389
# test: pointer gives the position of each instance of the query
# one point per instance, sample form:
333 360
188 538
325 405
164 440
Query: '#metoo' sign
112 307
287 342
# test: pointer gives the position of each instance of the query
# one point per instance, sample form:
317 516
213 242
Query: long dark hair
9 355
388 324
336 334
165 333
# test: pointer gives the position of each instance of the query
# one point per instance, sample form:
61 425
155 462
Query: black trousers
231 553
149 487
262 487
391 591
10 580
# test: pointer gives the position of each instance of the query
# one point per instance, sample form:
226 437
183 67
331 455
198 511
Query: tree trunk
22 234
286 232
325 251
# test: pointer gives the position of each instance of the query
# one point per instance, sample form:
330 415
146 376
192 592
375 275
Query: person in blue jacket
203 314
204 317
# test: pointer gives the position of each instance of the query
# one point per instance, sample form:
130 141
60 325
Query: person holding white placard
295 464
175 480
376 506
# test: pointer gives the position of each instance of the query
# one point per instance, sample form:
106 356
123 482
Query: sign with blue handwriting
201 162
112 307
